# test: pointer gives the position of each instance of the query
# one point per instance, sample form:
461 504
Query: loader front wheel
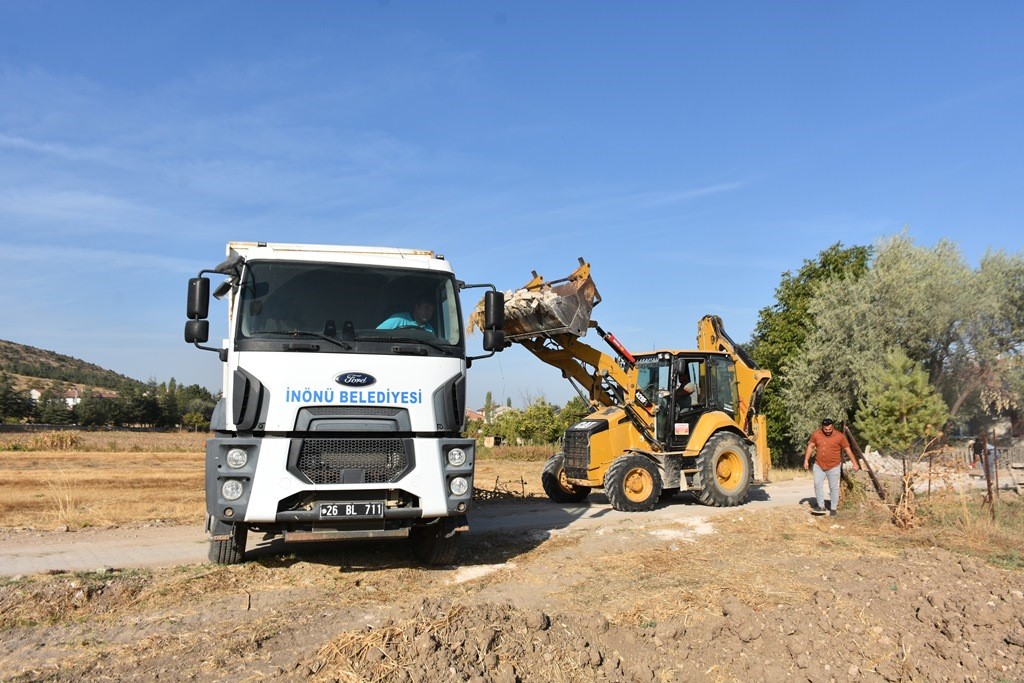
724 471
557 485
633 484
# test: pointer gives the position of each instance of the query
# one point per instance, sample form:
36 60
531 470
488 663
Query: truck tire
557 486
231 550
633 484
435 544
724 471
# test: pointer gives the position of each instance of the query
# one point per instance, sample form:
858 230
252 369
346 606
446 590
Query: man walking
830 446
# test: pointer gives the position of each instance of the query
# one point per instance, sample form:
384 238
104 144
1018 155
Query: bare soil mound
924 615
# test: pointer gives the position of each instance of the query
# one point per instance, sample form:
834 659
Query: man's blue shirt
403 320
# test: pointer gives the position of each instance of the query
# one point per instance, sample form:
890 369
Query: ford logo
355 379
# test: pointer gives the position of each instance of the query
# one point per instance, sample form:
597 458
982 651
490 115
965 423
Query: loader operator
686 391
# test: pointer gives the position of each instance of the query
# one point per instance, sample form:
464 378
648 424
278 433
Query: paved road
35 552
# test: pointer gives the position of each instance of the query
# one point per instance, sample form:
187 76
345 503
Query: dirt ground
751 595
772 596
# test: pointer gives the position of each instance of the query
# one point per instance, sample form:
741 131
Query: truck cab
344 385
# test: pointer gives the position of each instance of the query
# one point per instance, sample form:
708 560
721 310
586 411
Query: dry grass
954 520
515 478
50 489
105 441
530 453
124 478
780 474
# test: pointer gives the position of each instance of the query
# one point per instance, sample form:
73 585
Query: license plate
360 510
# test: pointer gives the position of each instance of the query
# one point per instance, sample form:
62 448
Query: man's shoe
832 513
815 510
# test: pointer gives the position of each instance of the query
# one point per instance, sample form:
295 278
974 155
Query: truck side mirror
494 310
494 321
198 298
197 331
494 340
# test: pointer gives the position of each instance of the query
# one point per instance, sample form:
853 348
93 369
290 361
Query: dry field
103 479
76 479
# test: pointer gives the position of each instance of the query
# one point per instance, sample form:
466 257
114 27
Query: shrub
55 441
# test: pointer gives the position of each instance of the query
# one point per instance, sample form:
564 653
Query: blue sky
692 152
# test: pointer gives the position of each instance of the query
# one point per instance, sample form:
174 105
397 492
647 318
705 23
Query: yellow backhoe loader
661 422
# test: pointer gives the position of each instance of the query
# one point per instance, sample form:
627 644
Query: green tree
94 411
963 325
196 399
900 411
572 412
14 405
140 406
53 409
540 423
170 408
488 408
782 330
507 425
195 421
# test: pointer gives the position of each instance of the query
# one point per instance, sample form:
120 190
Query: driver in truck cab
422 311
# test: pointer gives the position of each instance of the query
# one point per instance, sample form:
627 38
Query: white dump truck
344 384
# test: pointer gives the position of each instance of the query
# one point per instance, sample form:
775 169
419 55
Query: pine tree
901 411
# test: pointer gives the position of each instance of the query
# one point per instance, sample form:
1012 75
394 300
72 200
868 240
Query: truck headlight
236 458
231 489
458 486
456 457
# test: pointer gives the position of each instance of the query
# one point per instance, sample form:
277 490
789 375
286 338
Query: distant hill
32 368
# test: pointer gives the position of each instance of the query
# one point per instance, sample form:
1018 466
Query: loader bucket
562 308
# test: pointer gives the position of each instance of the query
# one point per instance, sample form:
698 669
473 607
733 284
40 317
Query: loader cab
687 385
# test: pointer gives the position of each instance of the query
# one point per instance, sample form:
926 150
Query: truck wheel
633 484
557 486
435 544
724 471
232 550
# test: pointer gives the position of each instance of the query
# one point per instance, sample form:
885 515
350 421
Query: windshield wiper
412 340
318 335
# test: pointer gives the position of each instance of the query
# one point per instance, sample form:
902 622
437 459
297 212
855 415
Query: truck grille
353 461
576 448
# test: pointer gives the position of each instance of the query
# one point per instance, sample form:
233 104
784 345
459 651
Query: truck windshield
286 301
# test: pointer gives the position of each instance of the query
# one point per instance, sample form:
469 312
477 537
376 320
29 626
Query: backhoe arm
572 357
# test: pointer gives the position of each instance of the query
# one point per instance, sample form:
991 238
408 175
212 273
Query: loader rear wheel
633 484
557 485
230 550
724 471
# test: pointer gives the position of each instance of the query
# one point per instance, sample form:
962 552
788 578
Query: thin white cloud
78 210
60 150
664 198
110 262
